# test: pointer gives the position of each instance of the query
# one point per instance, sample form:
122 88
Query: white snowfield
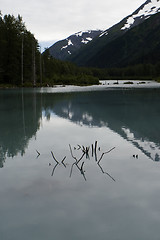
149 9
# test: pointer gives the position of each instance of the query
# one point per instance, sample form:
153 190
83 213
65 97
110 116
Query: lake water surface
112 193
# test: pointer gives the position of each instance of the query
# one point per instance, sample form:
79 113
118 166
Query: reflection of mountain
133 114
19 121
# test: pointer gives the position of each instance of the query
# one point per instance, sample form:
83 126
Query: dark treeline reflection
20 115
123 111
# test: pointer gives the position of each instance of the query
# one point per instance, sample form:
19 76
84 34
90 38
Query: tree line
22 64
134 72
19 51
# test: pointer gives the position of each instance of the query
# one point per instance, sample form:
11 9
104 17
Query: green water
115 197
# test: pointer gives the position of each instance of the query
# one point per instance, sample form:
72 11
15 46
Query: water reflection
133 114
19 122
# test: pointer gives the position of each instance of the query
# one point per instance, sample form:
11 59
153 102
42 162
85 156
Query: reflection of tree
19 121
2 157
137 110
21 112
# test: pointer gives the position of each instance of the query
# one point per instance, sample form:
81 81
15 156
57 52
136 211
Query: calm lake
80 164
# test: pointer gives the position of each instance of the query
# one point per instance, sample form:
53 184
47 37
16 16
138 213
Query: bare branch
95 151
63 162
92 150
38 153
54 158
105 172
79 147
76 164
81 170
105 153
54 168
82 166
72 153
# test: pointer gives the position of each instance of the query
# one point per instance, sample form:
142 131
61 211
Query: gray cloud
54 20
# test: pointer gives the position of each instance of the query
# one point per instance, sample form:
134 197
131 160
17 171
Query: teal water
115 197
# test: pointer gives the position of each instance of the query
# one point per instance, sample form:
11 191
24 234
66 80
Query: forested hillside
22 64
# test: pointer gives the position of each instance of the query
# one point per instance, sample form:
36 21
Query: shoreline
104 85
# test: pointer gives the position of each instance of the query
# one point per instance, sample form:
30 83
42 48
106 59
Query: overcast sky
53 20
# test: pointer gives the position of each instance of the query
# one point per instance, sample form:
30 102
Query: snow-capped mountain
149 8
146 10
97 49
62 49
88 48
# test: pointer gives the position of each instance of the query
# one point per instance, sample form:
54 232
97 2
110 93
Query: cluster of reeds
79 163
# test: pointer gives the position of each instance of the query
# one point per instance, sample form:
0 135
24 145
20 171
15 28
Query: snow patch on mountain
62 49
84 37
104 33
151 7
89 39
86 40
69 43
80 34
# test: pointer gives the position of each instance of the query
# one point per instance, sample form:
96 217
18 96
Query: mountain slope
62 49
139 45
92 54
149 8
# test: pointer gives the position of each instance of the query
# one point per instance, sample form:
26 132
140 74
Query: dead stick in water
76 163
63 162
83 150
80 158
92 150
82 166
79 147
105 172
105 153
95 148
54 158
87 152
81 170
38 154
95 151
54 169
72 153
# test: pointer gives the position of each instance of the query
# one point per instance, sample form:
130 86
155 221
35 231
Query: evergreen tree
14 38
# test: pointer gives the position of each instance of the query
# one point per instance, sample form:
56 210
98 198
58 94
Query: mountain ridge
139 45
86 55
63 48
99 49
